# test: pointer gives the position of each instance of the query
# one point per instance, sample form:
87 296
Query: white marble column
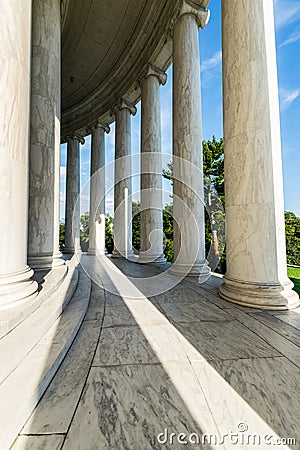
97 190
188 208
44 151
123 182
72 207
151 168
15 25
255 244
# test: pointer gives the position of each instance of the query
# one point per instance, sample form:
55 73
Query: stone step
19 342
23 388
11 318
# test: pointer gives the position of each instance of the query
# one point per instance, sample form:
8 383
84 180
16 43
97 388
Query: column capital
124 104
154 71
195 8
98 124
75 137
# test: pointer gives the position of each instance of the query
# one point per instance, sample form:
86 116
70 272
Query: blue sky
287 22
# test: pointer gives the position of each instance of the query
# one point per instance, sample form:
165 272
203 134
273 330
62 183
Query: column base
68 250
116 254
200 270
151 259
260 296
17 288
94 252
45 262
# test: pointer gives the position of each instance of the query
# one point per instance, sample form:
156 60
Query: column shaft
43 225
72 209
15 24
188 208
97 191
255 245
123 183
151 169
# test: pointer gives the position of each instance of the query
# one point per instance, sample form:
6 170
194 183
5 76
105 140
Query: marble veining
273 337
43 238
262 392
15 45
97 302
237 341
151 168
281 327
51 442
151 372
55 410
193 311
131 345
255 239
126 407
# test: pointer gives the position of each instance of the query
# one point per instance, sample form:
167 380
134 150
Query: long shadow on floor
181 361
244 378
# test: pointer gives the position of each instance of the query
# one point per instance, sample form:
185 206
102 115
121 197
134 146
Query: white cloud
84 203
110 138
63 171
212 62
87 143
286 12
63 176
287 97
211 68
294 37
109 204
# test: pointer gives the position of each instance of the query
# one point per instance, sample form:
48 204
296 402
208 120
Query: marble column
123 182
151 168
72 208
44 150
188 207
97 190
15 24
255 242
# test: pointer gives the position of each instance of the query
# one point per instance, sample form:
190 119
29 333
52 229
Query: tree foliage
213 173
136 223
109 233
61 235
213 169
168 232
84 231
292 236
213 166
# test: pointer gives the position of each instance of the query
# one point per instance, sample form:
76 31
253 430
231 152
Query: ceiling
105 46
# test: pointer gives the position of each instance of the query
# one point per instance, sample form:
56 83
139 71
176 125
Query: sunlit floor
161 363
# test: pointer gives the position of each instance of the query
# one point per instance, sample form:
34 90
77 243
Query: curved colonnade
104 74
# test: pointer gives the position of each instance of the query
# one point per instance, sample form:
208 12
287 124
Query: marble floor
164 363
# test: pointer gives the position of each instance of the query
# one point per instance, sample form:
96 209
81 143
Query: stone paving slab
185 361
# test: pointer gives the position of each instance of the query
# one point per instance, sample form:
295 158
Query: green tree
84 231
292 235
109 235
61 235
168 232
213 172
136 223
213 167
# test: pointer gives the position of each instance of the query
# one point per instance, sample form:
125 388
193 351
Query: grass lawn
294 275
